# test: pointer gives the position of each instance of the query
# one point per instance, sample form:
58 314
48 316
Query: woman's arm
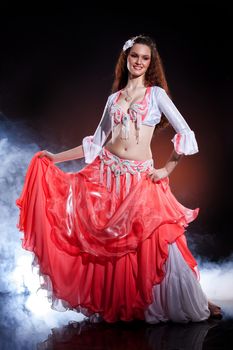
184 140
157 174
172 162
71 154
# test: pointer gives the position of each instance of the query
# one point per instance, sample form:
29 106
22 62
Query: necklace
128 97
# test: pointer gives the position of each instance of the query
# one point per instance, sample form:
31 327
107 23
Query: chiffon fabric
110 246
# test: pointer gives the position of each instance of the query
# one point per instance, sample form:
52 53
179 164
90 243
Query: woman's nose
139 60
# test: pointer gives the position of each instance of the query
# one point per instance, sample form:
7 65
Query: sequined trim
119 166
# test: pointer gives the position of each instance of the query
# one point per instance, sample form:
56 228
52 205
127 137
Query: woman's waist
130 152
111 163
122 166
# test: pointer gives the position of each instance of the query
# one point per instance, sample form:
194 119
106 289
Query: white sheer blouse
158 102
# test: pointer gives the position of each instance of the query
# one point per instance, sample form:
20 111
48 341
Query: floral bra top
136 113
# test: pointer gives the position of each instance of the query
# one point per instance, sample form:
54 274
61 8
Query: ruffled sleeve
93 144
184 140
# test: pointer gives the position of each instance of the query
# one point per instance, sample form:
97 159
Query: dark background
56 72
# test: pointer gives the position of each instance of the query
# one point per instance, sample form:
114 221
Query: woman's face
138 59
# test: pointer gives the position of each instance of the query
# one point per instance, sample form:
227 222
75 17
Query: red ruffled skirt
101 236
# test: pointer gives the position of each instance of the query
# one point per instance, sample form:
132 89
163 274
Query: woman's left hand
157 174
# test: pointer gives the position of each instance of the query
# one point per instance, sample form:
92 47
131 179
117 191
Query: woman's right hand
47 154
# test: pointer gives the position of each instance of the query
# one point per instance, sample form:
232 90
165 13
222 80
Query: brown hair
154 75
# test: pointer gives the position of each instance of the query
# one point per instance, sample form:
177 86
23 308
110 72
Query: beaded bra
136 112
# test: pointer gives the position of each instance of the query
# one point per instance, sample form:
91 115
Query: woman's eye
144 58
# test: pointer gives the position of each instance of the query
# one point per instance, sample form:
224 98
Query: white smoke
24 311
217 282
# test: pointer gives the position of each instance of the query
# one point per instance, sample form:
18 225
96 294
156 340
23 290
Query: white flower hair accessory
129 43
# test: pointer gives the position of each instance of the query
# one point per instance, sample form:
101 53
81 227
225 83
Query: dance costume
107 239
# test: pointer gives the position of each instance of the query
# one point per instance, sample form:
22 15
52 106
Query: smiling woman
110 238
138 63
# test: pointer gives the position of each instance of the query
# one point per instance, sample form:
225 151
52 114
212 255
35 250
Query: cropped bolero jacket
157 102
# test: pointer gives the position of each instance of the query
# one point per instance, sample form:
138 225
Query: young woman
110 239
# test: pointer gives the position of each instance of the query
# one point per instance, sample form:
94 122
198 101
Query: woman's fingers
47 154
156 174
42 154
152 175
154 178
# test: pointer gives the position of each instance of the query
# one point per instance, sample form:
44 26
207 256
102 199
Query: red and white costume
109 241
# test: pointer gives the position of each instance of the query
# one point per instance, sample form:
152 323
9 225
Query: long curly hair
154 75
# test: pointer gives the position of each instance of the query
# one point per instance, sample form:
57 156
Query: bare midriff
129 148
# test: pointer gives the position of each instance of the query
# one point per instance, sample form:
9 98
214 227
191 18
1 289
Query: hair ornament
129 43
